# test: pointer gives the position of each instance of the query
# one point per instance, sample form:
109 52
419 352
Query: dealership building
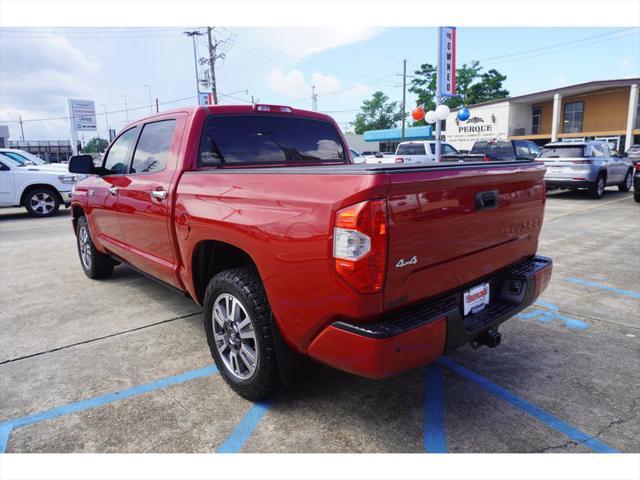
603 110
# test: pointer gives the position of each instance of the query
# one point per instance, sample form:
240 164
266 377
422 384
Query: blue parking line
99 401
435 438
552 313
619 291
245 428
551 421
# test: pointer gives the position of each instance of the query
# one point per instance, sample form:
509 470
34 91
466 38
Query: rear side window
411 149
152 151
264 139
563 152
117 157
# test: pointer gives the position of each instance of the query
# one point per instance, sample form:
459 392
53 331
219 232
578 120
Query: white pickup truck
41 189
420 151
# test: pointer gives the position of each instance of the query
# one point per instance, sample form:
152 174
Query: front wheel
42 202
596 190
237 320
636 196
625 186
95 265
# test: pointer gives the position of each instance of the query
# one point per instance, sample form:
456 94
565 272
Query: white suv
41 189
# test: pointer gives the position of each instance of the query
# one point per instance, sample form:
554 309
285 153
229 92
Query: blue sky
40 67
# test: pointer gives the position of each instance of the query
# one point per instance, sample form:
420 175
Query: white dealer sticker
476 298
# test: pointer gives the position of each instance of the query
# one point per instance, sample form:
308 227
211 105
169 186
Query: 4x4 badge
403 263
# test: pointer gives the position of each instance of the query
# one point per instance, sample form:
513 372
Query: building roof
577 89
395 134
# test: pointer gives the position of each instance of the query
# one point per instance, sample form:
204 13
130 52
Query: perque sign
447 71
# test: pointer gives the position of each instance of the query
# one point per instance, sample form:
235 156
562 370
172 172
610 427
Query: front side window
268 139
153 149
597 151
572 121
117 156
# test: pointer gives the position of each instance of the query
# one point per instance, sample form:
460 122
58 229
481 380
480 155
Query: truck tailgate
451 226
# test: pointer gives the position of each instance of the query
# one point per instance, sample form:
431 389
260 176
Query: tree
377 113
472 86
95 145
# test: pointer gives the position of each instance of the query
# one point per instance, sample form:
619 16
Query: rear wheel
95 265
636 196
626 184
238 324
42 202
596 190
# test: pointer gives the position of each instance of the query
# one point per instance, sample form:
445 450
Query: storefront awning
395 134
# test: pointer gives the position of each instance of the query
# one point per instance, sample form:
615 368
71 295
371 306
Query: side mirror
81 164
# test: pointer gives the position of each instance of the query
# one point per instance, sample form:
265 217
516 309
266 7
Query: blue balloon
464 114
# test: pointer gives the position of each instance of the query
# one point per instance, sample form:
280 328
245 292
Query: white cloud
293 85
627 62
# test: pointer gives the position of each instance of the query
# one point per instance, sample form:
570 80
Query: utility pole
126 108
157 106
193 34
212 60
21 128
148 87
404 95
106 119
314 98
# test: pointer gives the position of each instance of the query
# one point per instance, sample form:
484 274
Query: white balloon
442 112
430 117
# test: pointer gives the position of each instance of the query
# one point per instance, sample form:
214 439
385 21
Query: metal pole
106 119
314 99
126 108
438 94
212 61
157 106
148 87
21 127
404 95
193 35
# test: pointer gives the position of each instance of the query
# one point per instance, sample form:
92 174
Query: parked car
590 165
633 154
636 182
497 150
23 156
380 158
41 189
423 151
356 156
258 214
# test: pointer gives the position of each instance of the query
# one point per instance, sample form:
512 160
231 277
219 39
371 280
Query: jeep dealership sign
485 123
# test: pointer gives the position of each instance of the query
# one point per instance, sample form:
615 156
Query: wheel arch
30 187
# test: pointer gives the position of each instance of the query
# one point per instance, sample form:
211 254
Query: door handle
487 200
113 190
159 194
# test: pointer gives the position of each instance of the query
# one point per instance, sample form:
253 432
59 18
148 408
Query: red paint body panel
284 219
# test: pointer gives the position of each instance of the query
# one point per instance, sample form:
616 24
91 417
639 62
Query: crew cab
497 150
295 253
41 189
591 165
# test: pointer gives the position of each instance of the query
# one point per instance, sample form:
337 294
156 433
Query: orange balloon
418 113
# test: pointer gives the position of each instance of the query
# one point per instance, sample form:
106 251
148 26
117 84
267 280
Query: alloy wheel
85 247
42 203
234 336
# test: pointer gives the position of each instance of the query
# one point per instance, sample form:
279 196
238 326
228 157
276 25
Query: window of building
117 156
572 120
536 120
152 151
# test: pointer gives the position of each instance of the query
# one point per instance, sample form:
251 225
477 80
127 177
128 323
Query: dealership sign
82 115
484 123
447 71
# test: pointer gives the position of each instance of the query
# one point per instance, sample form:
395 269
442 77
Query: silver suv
592 165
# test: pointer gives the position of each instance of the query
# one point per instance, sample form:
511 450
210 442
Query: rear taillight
360 245
637 166
399 160
486 159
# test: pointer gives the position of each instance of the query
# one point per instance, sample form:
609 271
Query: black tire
636 196
96 265
42 202
626 184
596 190
244 284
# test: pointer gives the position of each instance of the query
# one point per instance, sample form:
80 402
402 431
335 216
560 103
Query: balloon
442 112
418 113
464 114
430 117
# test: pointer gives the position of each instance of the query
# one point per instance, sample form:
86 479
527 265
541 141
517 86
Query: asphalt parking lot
122 365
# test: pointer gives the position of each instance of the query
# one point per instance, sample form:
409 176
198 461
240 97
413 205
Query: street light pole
404 95
193 34
126 108
148 87
106 120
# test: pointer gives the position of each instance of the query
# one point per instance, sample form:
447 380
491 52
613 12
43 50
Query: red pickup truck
295 252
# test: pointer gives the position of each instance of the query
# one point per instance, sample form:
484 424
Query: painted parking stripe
435 440
99 401
619 291
553 422
245 428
